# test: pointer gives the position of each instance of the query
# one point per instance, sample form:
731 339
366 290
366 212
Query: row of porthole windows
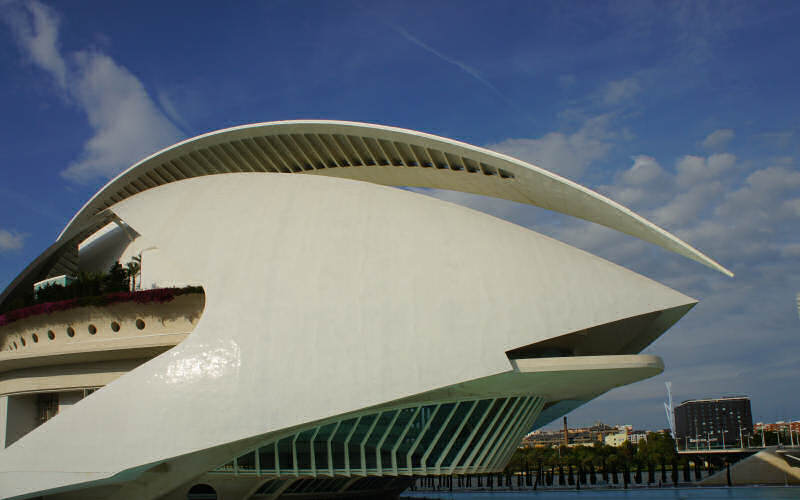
140 324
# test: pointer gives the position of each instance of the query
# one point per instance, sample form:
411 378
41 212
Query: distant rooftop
723 398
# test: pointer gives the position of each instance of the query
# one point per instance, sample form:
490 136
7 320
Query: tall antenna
670 413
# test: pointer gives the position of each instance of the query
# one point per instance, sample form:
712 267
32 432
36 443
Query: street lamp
741 440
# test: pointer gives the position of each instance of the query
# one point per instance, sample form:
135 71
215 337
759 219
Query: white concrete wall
323 296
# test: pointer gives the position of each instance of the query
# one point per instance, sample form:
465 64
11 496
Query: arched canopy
382 155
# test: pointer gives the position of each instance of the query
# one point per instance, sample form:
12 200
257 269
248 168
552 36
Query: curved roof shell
366 152
381 155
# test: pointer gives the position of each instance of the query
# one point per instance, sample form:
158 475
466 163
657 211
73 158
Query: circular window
70 332
140 324
92 329
51 335
115 326
35 338
22 339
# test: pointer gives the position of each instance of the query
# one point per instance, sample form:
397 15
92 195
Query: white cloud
127 123
645 171
718 139
645 184
619 91
696 169
566 154
11 241
39 36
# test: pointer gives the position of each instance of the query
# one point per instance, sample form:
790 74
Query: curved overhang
378 154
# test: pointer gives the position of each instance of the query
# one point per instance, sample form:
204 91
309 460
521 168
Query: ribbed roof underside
382 155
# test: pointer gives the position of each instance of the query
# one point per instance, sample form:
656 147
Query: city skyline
684 112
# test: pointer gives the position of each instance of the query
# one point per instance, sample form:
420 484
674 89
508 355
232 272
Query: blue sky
686 112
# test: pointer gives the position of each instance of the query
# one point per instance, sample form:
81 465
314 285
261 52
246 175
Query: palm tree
134 268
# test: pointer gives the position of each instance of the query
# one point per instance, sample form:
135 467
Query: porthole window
51 335
140 324
92 329
22 339
35 338
115 326
70 332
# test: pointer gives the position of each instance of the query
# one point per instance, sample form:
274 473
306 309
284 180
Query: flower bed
157 295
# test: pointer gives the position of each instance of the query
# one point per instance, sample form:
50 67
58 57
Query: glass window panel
266 457
285 453
377 434
338 443
247 462
427 440
458 416
303 446
461 440
321 446
493 438
359 436
394 434
482 431
425 414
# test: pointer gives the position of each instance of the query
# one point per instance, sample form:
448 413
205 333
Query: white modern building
341 335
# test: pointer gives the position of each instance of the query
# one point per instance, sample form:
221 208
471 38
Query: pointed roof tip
707 261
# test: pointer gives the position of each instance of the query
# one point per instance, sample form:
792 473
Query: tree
133 269
116 280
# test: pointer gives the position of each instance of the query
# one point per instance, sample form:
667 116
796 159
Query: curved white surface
325 297
324 147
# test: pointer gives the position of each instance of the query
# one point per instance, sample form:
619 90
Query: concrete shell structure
349 334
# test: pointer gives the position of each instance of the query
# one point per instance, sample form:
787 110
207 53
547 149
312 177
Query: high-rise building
703 423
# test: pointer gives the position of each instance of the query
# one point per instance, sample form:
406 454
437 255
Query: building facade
714 423
303 328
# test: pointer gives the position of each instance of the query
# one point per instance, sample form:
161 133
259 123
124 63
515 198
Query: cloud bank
127 123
